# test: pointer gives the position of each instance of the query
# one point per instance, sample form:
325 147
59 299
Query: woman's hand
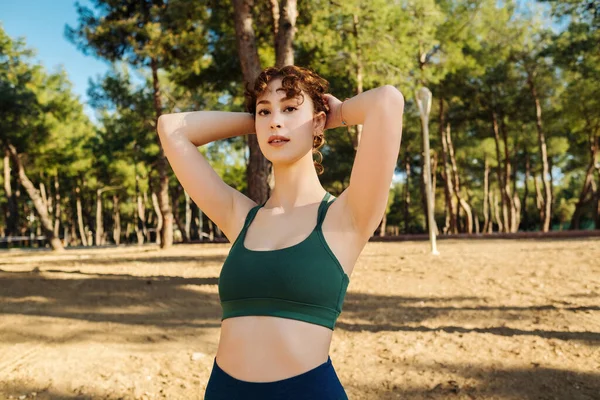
334 117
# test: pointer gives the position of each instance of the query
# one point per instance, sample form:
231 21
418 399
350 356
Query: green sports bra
304 282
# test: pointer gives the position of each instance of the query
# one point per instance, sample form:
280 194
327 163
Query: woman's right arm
180 135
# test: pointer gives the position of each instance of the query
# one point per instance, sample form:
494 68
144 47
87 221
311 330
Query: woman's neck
296 185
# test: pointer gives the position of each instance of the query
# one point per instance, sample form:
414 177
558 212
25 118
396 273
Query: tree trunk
37 201
100 234
12 215
499 172
486 195
407 193
543 154
166 231
524 215
89 235
257 171
159 218
583 198
464 205
383 225
73 233
57 207
284 51
51 205
82 233
517 210
178 222
434 165
587 184
188 218
66 237
359 74
422 187
88 217
275 21
597 208
284 30
551 183
44 197
451 206
140 227
469 201
116 220
211 230
539 197
511 218
99 224
197 223
497 212
128 230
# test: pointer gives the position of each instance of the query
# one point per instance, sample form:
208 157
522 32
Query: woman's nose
275 124
275 120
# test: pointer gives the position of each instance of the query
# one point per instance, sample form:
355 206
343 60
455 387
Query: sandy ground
484 320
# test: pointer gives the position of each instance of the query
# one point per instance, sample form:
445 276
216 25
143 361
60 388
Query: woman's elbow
161 125
393 95
390 99
166 124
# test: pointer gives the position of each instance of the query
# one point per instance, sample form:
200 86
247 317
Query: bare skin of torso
268 349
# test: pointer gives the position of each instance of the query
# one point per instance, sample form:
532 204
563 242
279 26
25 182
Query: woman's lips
277 143
278 140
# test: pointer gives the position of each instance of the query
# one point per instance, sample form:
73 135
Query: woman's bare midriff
268 349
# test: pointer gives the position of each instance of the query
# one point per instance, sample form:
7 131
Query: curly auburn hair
294 80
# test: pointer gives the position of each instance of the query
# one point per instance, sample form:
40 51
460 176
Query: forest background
514 124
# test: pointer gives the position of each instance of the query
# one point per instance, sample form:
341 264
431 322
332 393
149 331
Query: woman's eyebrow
281 101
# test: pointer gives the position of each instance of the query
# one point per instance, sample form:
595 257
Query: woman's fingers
332 115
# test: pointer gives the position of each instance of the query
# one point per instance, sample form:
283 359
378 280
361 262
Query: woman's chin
286 162
284 155
280 159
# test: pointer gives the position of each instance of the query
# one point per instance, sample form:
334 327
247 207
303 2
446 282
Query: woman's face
293 119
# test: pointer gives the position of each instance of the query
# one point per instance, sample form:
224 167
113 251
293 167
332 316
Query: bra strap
251 214
325 203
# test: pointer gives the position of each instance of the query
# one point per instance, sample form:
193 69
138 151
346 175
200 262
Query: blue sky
42 24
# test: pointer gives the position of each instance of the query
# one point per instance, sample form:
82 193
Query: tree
576 50
151 34
40 121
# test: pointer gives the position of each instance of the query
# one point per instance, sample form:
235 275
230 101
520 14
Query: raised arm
180 135
380 112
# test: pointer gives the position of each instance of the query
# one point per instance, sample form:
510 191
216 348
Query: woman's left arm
380 111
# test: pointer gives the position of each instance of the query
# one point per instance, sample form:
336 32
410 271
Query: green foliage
137 32
474 55
44 121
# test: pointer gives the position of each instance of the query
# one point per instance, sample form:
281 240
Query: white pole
424 103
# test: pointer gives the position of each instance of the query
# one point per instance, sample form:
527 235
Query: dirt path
485 320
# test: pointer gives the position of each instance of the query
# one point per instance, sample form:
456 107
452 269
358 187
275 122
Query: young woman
283 283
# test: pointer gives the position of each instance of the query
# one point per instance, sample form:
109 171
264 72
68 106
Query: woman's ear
319 121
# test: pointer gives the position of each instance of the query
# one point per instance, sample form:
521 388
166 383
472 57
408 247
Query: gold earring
318 135
319 154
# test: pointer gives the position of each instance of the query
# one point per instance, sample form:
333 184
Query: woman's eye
290 108
263 111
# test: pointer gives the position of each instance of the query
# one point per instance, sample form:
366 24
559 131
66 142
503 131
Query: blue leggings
320 383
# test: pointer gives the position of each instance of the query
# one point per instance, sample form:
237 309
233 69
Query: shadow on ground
466 382
473 382
167 301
